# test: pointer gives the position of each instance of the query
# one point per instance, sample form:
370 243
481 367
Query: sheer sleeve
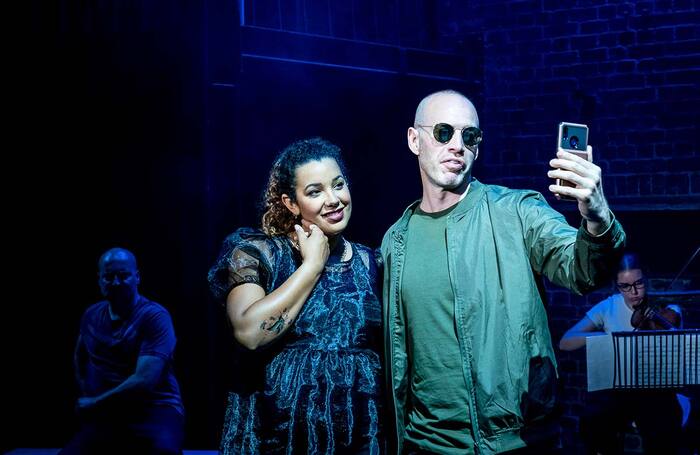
244 258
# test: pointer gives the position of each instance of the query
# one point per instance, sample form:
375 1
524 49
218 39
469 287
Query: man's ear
476 153
291 205
413 140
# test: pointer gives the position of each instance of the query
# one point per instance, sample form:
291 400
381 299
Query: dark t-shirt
114 347
437 418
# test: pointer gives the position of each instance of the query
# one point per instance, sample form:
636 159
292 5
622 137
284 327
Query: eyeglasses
443 132
627 287
111 277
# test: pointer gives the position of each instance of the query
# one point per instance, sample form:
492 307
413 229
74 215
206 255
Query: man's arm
579 263
575 337
149 369
568 257
79 361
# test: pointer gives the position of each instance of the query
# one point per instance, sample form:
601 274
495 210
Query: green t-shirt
438 415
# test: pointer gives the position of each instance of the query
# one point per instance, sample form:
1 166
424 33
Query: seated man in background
608 413
130 400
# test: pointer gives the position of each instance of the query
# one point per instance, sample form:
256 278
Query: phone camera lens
573 142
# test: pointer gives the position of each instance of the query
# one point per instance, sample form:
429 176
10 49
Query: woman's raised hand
313 245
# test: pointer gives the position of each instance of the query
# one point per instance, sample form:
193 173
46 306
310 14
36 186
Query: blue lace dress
317 389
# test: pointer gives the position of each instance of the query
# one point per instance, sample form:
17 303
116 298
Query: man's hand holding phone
572 169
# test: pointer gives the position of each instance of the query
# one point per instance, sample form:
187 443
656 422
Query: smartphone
573 137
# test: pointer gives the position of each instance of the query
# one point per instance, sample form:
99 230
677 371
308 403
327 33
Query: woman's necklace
344 256
346 251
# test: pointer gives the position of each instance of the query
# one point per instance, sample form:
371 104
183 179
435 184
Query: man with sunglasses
130 399
470 363
656 413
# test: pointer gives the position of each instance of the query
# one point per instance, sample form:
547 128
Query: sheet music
599 359
659 361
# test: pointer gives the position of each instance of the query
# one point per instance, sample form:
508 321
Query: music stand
650 359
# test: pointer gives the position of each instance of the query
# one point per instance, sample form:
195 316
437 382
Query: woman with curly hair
305 302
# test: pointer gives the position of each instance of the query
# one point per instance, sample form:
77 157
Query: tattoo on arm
275 325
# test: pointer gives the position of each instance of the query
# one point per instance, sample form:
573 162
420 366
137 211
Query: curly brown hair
276 218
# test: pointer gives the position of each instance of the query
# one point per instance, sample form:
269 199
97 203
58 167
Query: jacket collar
475 194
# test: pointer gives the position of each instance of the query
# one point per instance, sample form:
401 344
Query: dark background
152 125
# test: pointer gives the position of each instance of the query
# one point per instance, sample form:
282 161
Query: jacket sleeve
570 258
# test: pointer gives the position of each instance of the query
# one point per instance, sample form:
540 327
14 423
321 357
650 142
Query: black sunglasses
443 132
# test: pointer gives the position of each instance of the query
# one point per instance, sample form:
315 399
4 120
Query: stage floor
29 451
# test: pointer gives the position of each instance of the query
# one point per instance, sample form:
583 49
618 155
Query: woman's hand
313 245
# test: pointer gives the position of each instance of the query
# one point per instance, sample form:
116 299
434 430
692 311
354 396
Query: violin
649 317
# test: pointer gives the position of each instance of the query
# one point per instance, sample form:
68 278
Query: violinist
656 413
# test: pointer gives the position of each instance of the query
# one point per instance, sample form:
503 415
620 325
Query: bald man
130 399
471 367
